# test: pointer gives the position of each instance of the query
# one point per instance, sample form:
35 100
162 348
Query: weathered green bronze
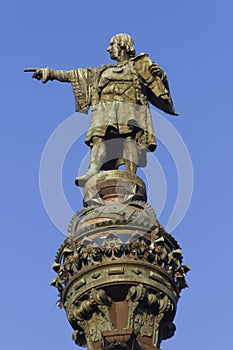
119 273
119 96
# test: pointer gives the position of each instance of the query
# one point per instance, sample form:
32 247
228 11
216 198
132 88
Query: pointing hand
39 73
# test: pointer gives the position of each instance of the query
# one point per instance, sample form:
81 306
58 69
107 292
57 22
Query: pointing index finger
30 69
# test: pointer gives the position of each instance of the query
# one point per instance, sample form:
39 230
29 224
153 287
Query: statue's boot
130 156
97 156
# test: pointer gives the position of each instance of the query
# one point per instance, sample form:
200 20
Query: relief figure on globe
121 129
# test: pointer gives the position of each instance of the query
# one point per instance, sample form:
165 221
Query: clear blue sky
192 41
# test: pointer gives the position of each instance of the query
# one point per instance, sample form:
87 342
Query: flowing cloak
136 114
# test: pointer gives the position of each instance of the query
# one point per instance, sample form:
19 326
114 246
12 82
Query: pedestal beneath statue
119 273
113 186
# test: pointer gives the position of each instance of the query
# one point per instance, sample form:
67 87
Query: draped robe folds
119 97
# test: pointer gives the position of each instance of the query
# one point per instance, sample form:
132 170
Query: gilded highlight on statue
118 95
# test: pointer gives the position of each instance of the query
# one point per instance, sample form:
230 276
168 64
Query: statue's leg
97 156
130 155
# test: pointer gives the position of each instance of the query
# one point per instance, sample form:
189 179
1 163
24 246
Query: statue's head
121 42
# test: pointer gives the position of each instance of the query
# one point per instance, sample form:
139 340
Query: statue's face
114 49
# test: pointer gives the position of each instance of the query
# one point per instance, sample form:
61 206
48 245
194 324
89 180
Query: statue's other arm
155 83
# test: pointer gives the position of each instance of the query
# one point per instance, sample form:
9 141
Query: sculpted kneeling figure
118 95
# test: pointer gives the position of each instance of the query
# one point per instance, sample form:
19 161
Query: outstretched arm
79 78
46 74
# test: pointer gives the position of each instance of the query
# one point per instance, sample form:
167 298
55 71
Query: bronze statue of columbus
118 95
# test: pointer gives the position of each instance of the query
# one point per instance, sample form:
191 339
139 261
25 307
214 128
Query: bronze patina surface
118 95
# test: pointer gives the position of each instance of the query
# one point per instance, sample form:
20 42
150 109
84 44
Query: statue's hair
125 41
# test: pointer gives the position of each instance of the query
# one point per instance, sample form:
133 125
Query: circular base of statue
113 186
